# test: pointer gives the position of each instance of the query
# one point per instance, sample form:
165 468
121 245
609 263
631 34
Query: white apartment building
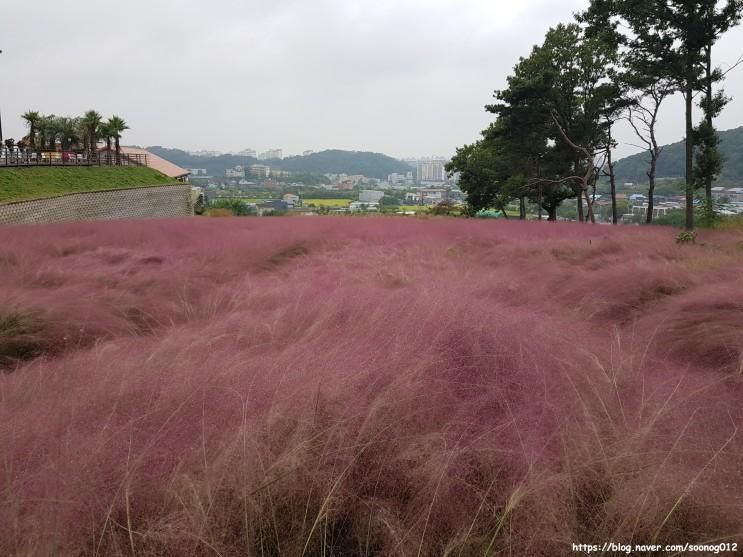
271 154
431 171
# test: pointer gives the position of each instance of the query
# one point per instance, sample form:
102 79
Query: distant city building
271 206
260 170
271 154
306 153
291 199
236 172
396 178
197 171
248 153
429 196
355 179
370 196
362 206
431 171
731 194
203 153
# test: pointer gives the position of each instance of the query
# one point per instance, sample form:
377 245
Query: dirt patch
391 280
283 257
152 260
707 333
22 337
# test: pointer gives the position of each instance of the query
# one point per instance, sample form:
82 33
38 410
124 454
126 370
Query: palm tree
91 124
107 136
32 118
117 126
67 131
47 131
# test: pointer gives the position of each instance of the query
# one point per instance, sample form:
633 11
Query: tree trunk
688 98
708 117
579 205
551 212
613 185
651 189
540 203
522 208
708 178
590 216
503 210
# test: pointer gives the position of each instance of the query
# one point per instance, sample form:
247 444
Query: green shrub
238 208
686 237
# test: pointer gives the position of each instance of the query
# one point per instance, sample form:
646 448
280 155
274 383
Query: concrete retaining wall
131 203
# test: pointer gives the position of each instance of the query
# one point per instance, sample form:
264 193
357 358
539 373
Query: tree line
372 165
45 132
618 60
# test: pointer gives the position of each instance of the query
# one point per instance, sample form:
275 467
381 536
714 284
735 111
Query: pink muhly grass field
368 387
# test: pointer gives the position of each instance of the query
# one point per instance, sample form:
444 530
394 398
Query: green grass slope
18 184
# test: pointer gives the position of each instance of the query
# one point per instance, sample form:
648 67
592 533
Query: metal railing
68 158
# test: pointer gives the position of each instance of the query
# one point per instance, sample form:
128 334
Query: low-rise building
431 196
291 199
236 172
260 170
357 206
370 196
271 206
154 161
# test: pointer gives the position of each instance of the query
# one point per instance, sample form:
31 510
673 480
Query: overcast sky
403 77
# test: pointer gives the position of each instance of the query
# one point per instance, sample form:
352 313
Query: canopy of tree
553 119
80 132
552 138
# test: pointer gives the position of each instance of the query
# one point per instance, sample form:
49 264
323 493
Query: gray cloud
403 77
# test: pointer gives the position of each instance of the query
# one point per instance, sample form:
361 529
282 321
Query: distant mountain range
372 165
671 162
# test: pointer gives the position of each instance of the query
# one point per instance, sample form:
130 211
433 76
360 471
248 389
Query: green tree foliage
669 40
106 133
116 126
91 129
32 119
484 175
552 121
238 208
47 131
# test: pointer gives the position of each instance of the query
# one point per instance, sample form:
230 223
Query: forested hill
373 165
671 162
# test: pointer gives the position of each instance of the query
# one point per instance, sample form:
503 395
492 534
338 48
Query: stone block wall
131 203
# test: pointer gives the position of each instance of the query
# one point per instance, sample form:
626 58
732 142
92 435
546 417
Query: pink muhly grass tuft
365 387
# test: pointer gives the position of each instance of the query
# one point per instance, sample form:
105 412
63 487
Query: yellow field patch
327 202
